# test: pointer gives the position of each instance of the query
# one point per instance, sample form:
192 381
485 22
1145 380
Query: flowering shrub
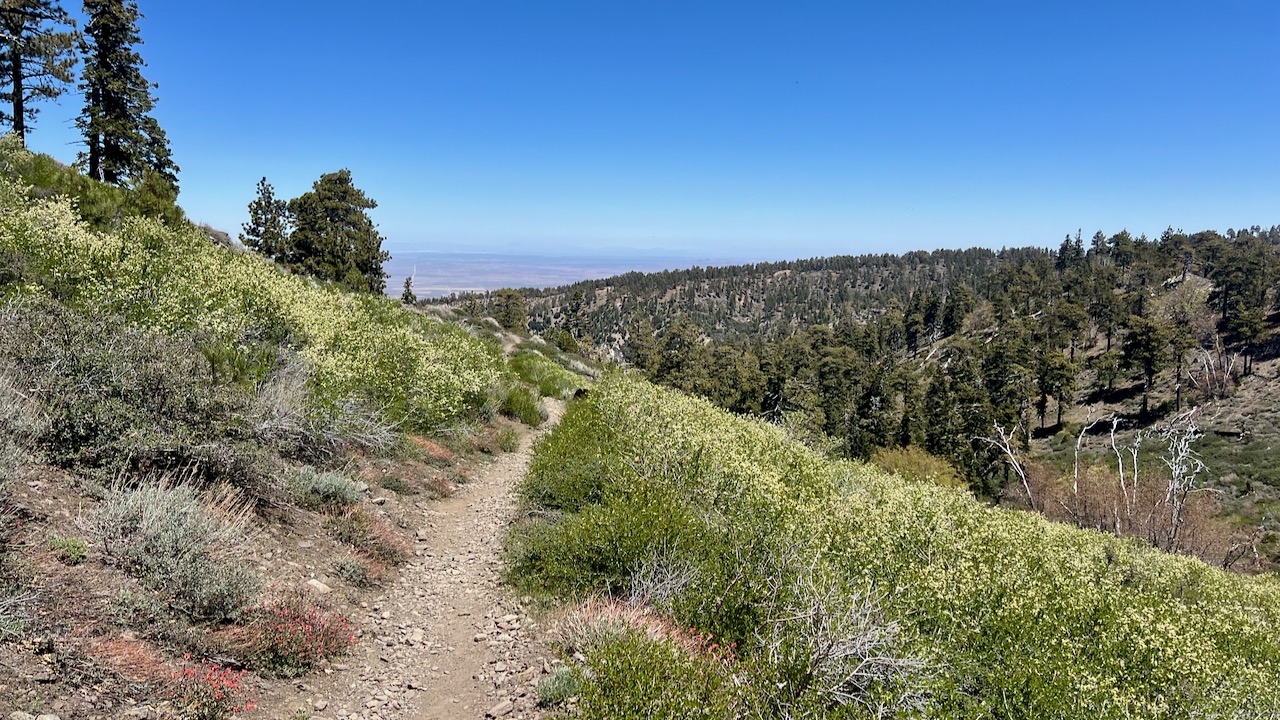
843 585
289 636
419 371
209 691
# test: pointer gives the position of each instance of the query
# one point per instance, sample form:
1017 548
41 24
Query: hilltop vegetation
181 419
745 575
1023 370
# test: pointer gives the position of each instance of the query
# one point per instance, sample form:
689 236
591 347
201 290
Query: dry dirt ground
442 639
446 640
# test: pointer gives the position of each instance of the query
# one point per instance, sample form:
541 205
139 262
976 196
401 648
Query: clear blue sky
728 129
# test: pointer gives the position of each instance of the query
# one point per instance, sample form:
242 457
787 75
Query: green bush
723 524
519 402
318 490
918 465
119 397
564 683
174 541
369 534
69 550
172 279
507 438
641 677
551 379
356 572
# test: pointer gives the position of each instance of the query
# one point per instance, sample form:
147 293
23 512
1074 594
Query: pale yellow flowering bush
1006 614
417 371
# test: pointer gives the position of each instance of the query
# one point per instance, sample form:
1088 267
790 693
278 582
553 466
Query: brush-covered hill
207 463
933 356
710 567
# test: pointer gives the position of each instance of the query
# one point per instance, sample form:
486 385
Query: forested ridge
992 361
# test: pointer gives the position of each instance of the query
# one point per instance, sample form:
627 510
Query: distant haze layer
437 274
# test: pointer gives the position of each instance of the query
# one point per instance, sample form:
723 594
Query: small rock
48 717
318 586
503 708
19 715
320 704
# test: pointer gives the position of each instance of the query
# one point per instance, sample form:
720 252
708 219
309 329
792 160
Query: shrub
918 465
639 676
69 550
317 490
120 397
551 379
508 439
359 572
371 535
19 425
519 402
288 635
210 691
947 607
174 541
565 683
172 279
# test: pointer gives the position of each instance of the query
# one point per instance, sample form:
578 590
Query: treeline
1180 318
745 301
40 47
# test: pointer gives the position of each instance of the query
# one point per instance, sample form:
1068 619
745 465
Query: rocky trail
446 640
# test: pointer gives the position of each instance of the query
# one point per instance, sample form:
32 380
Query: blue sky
744 130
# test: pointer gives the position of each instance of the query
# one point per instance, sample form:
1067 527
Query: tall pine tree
37 57
123 140
333 237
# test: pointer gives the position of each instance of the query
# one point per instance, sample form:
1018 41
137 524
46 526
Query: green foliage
415 370
124 141
508 439
176 542
267 230
638 676
318 490
551 378
355 571
333 237
117 396
101 206
918 465
509 310
38 58
69 550
970 611
522 403
562 340
565 683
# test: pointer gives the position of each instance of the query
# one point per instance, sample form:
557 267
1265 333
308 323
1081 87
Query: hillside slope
745 573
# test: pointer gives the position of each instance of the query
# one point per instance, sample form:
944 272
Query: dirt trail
446 641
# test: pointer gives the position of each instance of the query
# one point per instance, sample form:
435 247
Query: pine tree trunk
15 82
94 136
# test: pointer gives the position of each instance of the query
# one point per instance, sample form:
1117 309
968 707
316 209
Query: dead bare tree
1184 466
1004 442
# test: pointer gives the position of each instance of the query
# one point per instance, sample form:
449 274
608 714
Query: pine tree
37 58
268 228
406 296
510 311
334 238
123 139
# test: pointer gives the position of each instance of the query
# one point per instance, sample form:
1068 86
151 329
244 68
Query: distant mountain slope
749 300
